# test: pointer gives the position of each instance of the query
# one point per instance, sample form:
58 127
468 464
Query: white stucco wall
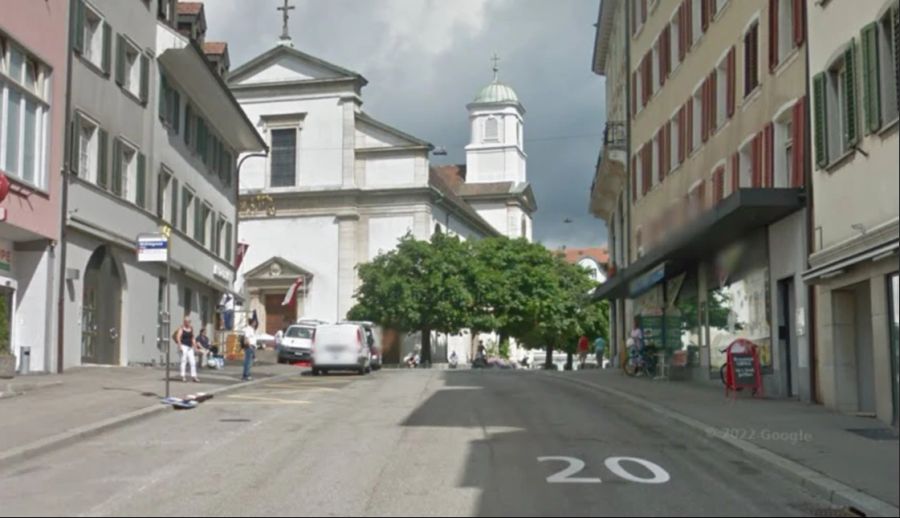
494 213
34 308
311 243
288 69
320 142
386 231
389 171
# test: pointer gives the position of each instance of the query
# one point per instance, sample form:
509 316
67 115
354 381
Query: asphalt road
413 443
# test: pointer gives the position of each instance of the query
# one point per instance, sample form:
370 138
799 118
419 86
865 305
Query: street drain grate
234 420
827 512
876 434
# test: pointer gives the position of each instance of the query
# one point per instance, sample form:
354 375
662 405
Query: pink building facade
33 81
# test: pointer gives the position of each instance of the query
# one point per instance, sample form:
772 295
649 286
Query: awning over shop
837 267
742 212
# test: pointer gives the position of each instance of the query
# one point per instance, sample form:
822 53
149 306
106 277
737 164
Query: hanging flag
241 253
291 296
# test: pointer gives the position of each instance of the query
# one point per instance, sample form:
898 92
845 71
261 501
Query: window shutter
163 92
145 78
735 171
769 156
820 113
667 145
870 76
689 23
851 126
704 112
141 181
682 138
198 219
78 27
704 15
798 127
661 154
107 48
773 34
634 187
799 8
102 158
689 127
647 168
713 101
120 60
731 69
634 93
682 47
116 168
187 125
175 191
756 161
176 111
643 11
75 145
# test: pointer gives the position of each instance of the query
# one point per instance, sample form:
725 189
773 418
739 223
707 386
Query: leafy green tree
420 286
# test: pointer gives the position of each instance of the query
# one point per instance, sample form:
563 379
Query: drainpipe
64 201
812 302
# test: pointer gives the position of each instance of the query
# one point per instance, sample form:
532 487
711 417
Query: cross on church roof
496 60
285 10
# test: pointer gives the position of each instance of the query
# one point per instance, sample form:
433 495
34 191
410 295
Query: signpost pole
168 319
156 248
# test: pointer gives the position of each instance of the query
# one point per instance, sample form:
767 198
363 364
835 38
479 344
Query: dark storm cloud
426 59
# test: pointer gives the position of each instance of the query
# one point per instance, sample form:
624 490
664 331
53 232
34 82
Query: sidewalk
51 405
810 435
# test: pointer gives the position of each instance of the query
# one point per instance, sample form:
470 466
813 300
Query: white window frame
697 21
785 30
488 138
639 90
674 35
128 154
186 210
219 248
132 79
294 125
745 176
722 91
835 107
33 93
784 145
164 194
654 65
88 148
92 49
654 160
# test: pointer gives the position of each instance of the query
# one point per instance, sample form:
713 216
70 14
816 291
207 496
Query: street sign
152 248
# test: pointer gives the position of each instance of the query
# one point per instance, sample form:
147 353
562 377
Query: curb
60 440
13 390
834 491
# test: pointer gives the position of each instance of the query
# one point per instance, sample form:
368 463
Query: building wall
865 184
776 93
495 213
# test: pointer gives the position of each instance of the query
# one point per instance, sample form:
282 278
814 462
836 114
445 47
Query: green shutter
78 27
163 91
176 111
851 116
107 48
75 145
103 157
229 246
198 220
175 192
116 182
187 125
120 60
141 182
145 78
871 77
820 120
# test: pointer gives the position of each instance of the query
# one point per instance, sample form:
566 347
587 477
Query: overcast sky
426 59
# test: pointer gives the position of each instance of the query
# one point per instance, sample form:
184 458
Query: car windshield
300 332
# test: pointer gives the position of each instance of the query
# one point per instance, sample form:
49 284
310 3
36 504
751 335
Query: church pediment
276 269
284 64
371 133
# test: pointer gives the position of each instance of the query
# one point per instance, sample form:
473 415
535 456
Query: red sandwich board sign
742 368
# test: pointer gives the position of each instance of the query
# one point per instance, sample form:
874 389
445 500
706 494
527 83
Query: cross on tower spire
496 68
285 12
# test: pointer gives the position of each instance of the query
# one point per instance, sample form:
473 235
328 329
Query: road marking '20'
613 464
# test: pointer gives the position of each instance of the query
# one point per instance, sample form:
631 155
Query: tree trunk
548 363
569 361
425 357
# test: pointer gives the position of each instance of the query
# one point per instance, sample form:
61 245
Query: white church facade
338 187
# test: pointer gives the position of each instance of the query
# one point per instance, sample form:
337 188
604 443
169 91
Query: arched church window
491 129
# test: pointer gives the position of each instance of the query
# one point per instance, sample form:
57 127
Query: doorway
277 316
102 309
786 310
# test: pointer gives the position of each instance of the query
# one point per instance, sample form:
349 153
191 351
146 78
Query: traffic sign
152 248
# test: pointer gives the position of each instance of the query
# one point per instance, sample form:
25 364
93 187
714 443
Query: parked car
373 338
340 347
296 345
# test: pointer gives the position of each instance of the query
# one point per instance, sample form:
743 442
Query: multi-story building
717 230
33 76
853 60
609 200
155 136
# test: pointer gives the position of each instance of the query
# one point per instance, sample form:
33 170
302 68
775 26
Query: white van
340 347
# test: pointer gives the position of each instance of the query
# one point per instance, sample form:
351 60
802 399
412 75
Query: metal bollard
25 362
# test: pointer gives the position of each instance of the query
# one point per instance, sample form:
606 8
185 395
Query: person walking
583 345
249 345
184 337
599 350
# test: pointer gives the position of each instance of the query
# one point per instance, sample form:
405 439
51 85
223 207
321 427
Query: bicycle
640 362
